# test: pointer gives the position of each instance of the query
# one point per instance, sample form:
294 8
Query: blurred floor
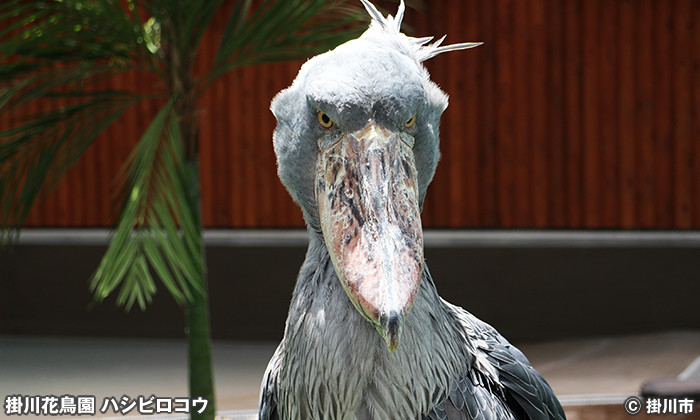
613 365
579 369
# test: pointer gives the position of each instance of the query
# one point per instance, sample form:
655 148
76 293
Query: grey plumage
333 362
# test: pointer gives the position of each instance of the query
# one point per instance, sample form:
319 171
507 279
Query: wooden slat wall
588 114
574 114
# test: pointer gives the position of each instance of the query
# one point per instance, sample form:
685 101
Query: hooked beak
367 196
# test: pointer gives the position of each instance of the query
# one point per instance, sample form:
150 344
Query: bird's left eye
324 120
410 122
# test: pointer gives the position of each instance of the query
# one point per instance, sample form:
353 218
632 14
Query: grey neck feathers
339 364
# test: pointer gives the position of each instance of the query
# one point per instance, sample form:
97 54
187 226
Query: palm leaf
39 152
156 227
285 30
56 52
39 34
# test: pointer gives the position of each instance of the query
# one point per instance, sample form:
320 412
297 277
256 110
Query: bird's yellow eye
410 122
324 120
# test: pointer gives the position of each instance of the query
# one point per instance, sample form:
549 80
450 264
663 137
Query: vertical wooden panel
522 83
89 172
35 216
556 156
75 206
237 122
625 114
695 135
207 109
539 115
573 106
662 114
105 171
204 110
206 153
683 168
472 100
241 141
64 192
644 114
608 114
231 129
455 86
224 140
253 180
487 124
505 111
591 134
250 122
49 206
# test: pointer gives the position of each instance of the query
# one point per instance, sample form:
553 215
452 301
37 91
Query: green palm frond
38 152
286 30
157 228
56 52
39 34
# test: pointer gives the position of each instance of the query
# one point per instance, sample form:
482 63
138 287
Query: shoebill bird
367 336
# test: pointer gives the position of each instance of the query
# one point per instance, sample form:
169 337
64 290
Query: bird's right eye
410 122
324 120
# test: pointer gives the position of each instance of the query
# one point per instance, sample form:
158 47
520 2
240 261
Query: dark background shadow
526 293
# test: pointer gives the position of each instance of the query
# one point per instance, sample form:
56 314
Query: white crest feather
418 47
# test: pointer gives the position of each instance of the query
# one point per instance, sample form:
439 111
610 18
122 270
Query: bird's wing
517 390
471 398
268 392
524 384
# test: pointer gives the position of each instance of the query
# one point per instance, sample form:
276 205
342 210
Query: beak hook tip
392 324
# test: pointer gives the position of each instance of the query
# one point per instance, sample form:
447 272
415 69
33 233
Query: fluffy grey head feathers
390 28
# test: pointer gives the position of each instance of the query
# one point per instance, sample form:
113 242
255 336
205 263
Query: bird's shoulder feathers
500 384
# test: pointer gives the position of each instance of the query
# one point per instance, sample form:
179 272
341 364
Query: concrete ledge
530 285
580 400
433 238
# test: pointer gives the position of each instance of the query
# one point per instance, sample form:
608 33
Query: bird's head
357 145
